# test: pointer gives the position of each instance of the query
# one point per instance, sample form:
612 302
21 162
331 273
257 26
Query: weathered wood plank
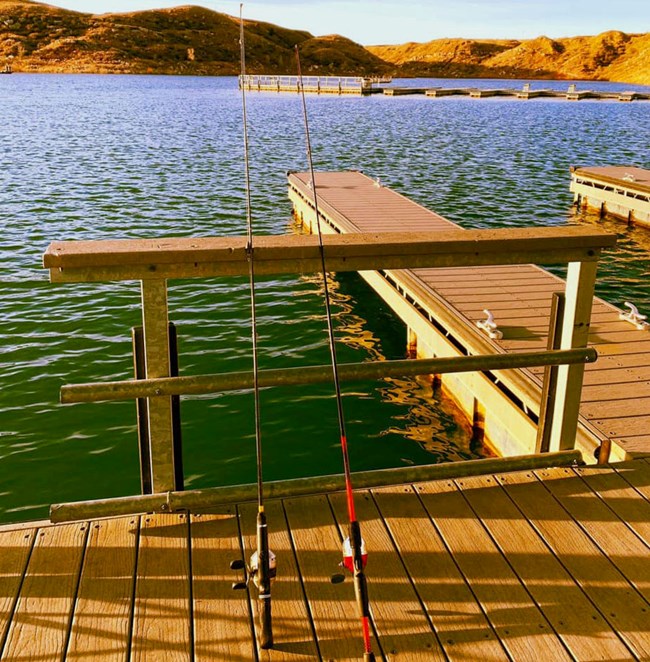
292 630
625 550
333 607
102 615
518 621
161 627
41 622
616 600
403 628
457 617
16 547
621 497
221 616
636 475
553 589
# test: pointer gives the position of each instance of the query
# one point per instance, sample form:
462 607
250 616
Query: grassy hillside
182 40
194 40
608 56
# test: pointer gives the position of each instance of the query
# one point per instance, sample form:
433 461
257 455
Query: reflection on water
422 414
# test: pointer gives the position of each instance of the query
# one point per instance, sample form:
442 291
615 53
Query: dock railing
318 84
155 261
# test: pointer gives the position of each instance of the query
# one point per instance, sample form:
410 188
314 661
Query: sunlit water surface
98 157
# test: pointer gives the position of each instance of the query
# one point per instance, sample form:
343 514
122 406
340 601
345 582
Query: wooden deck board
616 600
549 565
16 547
41 621
562 601
290 616
333 607
519 623
162 610
404 630
612 536
102 615
222 628
457 617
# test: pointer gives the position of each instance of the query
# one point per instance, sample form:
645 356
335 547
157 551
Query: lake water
97 157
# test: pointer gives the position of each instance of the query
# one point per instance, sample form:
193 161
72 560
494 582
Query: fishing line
262 564
354 541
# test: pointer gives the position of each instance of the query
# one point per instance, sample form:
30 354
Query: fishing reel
348 560
252 570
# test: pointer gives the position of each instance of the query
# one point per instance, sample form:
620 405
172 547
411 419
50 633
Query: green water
95 157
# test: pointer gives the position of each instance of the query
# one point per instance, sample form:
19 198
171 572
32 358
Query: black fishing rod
262 565
354 552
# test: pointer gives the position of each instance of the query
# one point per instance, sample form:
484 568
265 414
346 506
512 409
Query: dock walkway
544 565
615 405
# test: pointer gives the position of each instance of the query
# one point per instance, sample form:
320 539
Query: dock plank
554 590
457 617
161 627
617 541
333 607
102 615
621 497
41 621
518 621
292 630
222 628
16 547
607 588
403 628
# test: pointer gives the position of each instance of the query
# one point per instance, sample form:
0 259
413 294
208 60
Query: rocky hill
182 40
194 40
609 56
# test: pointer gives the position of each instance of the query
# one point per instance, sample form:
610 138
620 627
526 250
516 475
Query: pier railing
318 84
154 261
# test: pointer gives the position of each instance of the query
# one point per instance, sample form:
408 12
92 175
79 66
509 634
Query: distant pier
619 191
313 84
364 86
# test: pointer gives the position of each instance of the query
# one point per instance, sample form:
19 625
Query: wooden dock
442 307
619 191
366 85
312 84
544 565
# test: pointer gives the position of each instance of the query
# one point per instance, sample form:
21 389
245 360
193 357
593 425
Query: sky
371 22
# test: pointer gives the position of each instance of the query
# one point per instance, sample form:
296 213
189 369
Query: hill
194 40
182 40
609 56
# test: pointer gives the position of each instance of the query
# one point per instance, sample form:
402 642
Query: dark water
95 157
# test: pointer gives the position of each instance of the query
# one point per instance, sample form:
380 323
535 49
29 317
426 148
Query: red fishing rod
354 553
262 564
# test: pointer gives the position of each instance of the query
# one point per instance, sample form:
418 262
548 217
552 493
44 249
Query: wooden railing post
157 362
579 293
549 386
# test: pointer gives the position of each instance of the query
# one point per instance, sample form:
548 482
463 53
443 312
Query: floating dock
619 191
366 85
442 308
549 564
313 84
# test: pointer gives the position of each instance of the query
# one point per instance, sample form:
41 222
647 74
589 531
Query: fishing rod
354 551
262 564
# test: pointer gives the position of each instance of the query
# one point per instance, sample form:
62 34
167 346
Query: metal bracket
490 326
634 317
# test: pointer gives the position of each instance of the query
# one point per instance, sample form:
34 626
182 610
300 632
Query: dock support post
549 388
158 364
579 293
